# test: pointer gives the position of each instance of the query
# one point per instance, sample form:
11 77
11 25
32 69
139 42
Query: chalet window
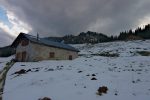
24 42
70 57
51 54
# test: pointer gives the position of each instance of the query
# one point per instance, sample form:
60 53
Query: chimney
37 36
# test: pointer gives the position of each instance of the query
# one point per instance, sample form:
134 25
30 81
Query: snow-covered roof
43 41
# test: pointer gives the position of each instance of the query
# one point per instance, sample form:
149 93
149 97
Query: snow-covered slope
4 60
126 76
124 49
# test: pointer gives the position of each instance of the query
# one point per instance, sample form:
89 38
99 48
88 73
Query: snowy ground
126 76
3 61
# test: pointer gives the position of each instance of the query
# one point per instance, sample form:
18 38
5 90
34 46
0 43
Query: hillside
123 67
94 37
6 51
83 37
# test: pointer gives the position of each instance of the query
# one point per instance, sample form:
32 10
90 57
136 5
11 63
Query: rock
50 69
22 71
79 71
93 75
45 98
93 78
29 70
87 75
102 90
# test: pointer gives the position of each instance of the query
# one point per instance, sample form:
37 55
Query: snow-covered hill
126 74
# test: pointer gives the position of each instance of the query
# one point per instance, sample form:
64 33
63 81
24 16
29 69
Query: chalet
32 48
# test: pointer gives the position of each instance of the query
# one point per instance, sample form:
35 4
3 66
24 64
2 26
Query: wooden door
18 56
24 56
70 57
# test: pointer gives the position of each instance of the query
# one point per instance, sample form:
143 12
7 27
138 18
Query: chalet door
24 54
70 57
18 56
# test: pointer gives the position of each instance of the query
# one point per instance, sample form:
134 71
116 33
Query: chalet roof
42 41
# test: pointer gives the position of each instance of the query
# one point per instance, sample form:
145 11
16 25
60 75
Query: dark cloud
5 39
60 17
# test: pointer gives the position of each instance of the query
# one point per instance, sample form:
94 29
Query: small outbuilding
32 48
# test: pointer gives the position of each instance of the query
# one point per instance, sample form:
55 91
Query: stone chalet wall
38 52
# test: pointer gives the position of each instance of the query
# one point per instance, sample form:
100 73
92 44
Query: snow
4 60
126 76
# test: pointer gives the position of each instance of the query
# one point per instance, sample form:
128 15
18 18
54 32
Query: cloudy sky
60 17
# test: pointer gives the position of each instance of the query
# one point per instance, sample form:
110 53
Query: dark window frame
51 54
70 57
24 42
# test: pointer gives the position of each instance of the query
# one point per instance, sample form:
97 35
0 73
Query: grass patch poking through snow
107 54
144 53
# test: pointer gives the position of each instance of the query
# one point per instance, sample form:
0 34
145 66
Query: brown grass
144 53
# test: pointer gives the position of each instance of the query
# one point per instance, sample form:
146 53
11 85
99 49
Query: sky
61 17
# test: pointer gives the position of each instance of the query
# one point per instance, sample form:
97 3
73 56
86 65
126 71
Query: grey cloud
60 17
5 39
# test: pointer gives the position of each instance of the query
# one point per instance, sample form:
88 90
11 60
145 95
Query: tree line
94 37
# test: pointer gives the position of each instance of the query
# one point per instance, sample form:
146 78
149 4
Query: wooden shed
32 48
